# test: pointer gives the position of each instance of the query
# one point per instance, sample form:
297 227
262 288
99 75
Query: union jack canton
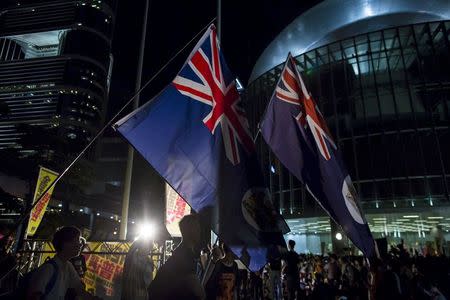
297 133
213 85
292 90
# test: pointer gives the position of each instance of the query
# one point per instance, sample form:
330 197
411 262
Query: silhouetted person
322 290
177 278
59 271
222 284
137 271
274 260
79 262
390 285
256 285
291 270
333 272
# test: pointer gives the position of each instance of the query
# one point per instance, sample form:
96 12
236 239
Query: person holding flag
298 135
196 136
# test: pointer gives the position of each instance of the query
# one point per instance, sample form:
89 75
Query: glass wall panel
385 96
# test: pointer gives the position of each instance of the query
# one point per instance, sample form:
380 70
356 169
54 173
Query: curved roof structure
334 20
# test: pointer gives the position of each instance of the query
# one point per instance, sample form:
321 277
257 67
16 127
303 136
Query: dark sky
247 29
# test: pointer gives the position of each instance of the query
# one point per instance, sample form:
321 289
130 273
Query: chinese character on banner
104 271
107 270
45 179
176 208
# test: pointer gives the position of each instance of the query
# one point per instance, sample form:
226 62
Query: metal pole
129 170
21 233
219 20
219 36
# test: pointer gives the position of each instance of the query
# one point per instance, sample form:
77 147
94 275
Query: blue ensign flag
298 135
196 135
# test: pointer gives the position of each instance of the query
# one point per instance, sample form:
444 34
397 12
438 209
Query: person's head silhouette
190 230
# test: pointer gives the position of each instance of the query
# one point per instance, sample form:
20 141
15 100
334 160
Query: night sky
247 29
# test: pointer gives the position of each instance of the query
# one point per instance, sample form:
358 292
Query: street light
338 236
146 231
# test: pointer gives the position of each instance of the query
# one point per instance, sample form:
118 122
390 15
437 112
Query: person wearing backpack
57 277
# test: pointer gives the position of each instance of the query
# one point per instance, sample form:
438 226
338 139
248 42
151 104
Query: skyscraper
55 69
55 65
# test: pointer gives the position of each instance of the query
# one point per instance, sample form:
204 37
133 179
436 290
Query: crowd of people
398 275
214 273
352 277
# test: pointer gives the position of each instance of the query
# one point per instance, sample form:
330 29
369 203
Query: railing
102 257
31 254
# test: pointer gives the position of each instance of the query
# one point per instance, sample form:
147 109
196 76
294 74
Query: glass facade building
55 67
385 96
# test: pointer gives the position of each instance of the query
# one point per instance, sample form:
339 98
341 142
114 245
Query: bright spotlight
338 236
146 231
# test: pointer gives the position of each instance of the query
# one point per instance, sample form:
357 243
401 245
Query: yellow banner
45 179
104 271
176 209
105 264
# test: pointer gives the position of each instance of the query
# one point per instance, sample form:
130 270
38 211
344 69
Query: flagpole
258 131
219 19
100 132
129 169
219 37
206 276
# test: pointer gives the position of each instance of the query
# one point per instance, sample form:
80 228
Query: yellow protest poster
45 179
105 263
104 271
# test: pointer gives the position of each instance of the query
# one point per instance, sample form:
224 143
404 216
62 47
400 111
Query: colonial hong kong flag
298 135
195 134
